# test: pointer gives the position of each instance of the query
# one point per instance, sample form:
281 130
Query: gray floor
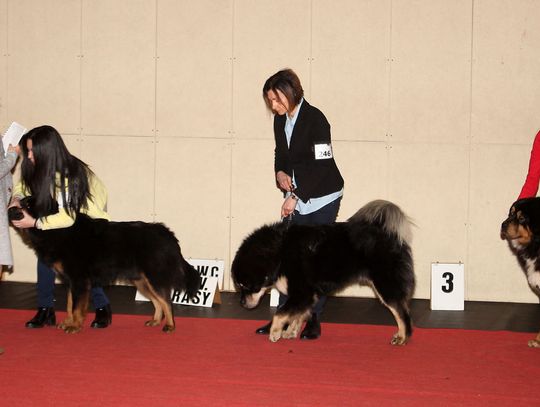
477 315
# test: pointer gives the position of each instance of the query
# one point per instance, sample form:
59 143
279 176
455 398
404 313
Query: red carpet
222 362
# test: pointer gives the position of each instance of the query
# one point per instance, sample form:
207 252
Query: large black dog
522 231
304 262
99 252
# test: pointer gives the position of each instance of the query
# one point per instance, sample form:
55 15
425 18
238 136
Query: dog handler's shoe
44 316
103 317
264 330
312 330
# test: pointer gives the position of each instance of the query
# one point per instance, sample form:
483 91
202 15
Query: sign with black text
448 286
211 272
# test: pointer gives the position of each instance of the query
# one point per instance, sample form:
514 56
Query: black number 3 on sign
449 287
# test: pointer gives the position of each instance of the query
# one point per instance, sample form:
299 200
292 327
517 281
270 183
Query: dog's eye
522 220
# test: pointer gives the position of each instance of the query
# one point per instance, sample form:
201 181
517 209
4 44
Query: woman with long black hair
61 186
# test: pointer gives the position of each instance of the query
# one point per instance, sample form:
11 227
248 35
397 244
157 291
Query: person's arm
530 187
8 162
281 161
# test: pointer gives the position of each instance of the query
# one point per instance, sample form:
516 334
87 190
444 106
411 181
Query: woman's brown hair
288 83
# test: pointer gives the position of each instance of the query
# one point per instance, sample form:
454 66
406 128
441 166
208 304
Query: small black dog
304 262
522 231
99 252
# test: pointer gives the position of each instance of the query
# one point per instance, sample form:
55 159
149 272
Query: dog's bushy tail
191 281
389 216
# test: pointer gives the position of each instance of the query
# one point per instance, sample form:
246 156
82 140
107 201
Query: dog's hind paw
533 343
152 322
168 329
398 340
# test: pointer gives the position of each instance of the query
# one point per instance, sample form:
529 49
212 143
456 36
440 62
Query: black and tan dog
304 262
99 252
522 231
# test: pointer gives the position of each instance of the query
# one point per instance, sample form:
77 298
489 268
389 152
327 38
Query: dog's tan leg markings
293 329
294 321
79 313
162 306
535 343
278 322
144 287
59 269
68 320
400 337
169 326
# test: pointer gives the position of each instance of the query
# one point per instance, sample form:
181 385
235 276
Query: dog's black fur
371 248
96 252
521 230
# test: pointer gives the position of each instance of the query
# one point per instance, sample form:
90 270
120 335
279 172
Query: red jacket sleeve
530 188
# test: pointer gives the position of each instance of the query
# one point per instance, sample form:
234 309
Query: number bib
323 151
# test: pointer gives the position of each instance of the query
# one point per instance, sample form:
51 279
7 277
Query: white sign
323 151
211 272
274 297
12 135
448 286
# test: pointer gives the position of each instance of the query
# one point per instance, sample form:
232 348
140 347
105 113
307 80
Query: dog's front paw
168 329
533 343
292 330
398 340
65 323
72 329
275 335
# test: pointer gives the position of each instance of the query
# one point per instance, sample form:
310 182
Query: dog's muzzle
250 301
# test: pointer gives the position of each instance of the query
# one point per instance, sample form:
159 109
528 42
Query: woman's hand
284 181
26 222
288 206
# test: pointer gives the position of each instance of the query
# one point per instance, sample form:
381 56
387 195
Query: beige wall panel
430 80
126 167
194 70
43 66
506 90
255 198
118 67
3 65
73 143
350 66
493 273
364 167
430 183
268 36
193 194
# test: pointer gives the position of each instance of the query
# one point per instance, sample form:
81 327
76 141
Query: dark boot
312 330
264 330
44 316
103 317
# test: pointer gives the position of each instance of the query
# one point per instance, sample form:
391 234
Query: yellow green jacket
97 204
